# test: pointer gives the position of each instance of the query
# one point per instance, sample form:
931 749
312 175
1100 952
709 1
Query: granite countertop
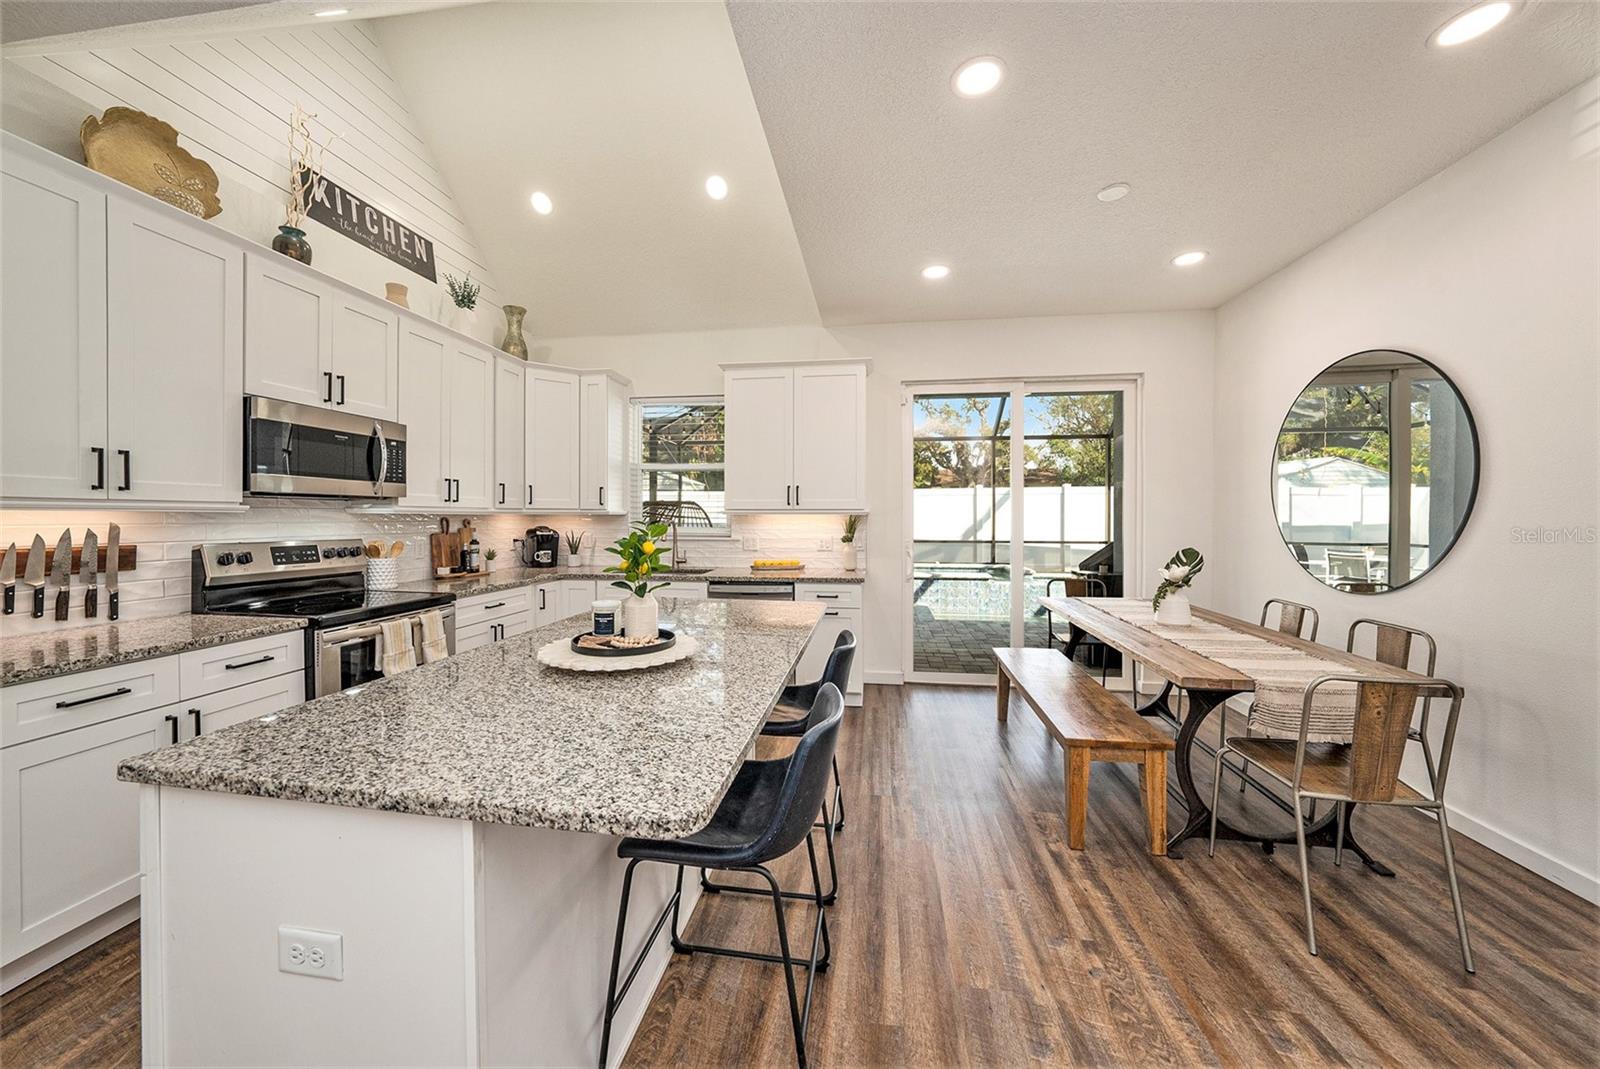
27 657
492 735
511 578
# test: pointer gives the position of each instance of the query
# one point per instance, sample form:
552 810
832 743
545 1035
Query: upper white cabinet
313 342
52 332
447 404
511 490
603 442
550 457
175 361
796 437
122 343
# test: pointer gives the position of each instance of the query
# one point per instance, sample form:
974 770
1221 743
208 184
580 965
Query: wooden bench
1092 724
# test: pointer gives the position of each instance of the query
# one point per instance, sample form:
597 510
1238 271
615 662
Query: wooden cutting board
445 549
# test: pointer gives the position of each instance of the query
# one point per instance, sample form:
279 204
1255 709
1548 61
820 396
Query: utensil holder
382 574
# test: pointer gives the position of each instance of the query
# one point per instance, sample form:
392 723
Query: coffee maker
541 547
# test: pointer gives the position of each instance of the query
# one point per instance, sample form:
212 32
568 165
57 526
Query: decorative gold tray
141 151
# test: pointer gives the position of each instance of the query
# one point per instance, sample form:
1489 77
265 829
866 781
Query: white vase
1174 610
572 559
459 319
641 616
849 556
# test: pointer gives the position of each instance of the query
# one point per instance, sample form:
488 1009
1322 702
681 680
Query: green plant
640 556
490 554
851 523
1179 573
463 291
574 540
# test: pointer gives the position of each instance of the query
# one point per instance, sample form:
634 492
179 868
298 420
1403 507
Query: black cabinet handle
99 452
787 491
541 599
831 612
127 469
119 692
496 605
447 488
327 393
602 497
502 493
530 493
196 714
248 664
796 495
172 722
341 388
457 483
828 597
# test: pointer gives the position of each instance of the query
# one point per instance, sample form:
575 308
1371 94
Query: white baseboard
63 947
1534 860
889 679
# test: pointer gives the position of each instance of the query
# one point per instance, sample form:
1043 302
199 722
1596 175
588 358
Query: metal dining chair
1292 617
1365 771
1078 586
1392 646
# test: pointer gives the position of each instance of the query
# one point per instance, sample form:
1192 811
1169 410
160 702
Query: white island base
463 943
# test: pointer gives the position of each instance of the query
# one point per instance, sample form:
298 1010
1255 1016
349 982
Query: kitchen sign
334 206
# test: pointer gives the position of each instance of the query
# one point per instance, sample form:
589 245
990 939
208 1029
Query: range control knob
245 558
327 554
344 551
224 559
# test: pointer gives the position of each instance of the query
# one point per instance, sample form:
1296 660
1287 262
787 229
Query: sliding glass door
1003 511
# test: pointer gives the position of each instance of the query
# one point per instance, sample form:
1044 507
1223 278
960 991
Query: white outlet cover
310 953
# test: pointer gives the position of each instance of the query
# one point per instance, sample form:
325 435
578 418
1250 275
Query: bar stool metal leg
1455 892
1305 873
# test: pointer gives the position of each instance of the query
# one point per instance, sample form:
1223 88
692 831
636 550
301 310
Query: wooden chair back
1292 618
1382 727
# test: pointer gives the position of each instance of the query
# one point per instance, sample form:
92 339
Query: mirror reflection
1375 471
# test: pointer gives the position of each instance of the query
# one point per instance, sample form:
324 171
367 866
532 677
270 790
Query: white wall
1489 270
1172 350
230 101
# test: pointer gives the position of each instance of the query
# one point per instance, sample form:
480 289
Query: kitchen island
455 827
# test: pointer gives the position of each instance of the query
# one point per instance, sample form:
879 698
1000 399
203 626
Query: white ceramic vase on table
1174 610
849 556
641 616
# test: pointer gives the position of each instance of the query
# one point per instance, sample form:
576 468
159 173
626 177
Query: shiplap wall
230 100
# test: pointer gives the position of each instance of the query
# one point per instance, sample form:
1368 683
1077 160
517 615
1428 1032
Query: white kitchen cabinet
175 361
511 490
211 713
574 596
550 460
842 610
52 330
311 341
796 437
603 444
471 387
490 618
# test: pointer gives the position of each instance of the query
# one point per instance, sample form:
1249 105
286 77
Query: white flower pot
1174 610
460 319
849 556
641 616
572 559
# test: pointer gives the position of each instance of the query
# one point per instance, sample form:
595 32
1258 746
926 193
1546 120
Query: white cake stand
560 654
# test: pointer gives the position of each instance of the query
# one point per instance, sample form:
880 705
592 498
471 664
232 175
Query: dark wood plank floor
967 934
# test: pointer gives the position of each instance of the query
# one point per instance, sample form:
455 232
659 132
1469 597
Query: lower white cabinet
490 618
69 829
842 611
561 598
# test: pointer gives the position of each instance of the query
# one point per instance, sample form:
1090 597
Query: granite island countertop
511 578
28 657
494 736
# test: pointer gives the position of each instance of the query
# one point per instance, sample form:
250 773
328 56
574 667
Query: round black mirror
1375 471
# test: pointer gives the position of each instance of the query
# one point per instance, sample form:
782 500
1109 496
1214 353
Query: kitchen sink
686 569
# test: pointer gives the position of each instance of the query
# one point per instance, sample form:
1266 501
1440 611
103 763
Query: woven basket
382 574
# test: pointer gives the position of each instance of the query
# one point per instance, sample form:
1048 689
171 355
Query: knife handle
11 599
112 609
91 603
63 603
38 602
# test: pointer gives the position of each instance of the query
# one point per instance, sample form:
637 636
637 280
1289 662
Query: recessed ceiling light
978 76
1471 24
1188 259
934 272
1115 191
331 12
541 203
717 187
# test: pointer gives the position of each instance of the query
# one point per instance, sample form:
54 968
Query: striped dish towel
434 645
397 654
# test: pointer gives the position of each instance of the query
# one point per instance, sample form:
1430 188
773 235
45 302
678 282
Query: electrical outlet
311 953
750 543
824 544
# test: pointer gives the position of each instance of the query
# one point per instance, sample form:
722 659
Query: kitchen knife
113 547
34 577
88 564
8 577
61 573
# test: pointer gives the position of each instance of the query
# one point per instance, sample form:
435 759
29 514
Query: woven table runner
1281 673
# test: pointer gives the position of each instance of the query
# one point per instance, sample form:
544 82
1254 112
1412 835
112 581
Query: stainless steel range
324 583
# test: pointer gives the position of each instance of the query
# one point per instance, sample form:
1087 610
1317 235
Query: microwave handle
383 459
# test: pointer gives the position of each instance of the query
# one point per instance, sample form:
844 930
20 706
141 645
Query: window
679 462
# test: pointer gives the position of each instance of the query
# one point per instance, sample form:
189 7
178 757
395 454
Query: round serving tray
559 654
664 641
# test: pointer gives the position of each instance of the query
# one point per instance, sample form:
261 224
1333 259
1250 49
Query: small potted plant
574 540
639 558
1171 603
852 523
462 313
488 556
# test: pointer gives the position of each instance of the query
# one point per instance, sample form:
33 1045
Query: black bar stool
768 811
801 699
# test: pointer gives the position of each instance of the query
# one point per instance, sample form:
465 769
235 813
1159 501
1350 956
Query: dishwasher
733 590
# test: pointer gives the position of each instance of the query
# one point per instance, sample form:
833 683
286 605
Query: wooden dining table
1206 684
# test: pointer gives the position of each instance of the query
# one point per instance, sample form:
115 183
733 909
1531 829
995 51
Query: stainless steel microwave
308 451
